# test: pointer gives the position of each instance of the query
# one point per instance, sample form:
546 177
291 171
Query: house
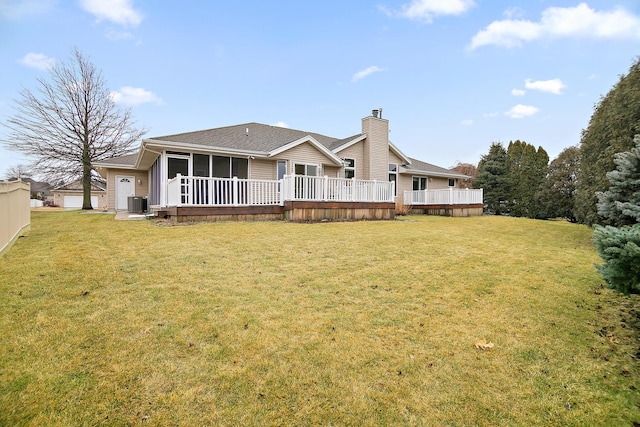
258 171
40 190
69 196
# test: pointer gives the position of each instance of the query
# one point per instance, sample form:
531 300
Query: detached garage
69 196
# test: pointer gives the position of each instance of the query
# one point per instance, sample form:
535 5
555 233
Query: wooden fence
15 213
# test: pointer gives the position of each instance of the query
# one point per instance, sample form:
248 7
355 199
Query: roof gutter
203 148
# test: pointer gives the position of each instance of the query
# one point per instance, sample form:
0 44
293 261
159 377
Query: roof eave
439 174
308 138
396 150
350 143
169 145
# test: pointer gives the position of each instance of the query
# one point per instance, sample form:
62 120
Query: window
393 175
349 168
177 166
452 182
420 183
240 167
282 169
201 165
221 167
304 169
228 167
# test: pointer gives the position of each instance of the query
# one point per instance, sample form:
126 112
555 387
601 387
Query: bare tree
18 172
70 123
466 169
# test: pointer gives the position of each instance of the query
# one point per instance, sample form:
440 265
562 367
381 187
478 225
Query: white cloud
554 86
518 92
513 12
281 125
116 35
426 9
492 114
467 122
555 22
37 60
14 9
364 73
135 96
117 11
520 111
593 76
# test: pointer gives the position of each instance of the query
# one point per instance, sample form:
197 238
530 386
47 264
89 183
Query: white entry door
125 188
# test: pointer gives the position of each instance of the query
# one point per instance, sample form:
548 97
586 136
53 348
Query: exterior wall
438 183
376 148
355 152
405 183
263 169
141 189
58 197
333 172
15 212
303 153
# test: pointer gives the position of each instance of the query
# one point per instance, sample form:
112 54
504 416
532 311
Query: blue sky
452 76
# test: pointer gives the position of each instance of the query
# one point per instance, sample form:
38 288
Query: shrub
619 248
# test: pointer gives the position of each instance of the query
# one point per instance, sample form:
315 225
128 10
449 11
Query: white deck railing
323 188
449 196
204 191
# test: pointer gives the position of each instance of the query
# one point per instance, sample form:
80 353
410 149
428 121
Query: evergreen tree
611 129
492 177
619 248
559 188
526 169
620 204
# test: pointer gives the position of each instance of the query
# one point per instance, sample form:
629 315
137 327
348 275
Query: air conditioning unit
136 204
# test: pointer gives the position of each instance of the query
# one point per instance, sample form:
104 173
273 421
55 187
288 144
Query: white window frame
426 179
349 168
394 172
452 180
306 165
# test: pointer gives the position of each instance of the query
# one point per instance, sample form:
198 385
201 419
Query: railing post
375 193
280 191
325 188
353 189
235 190
450 195
179 181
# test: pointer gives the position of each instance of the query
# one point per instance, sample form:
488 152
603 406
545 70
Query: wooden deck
291 211
462 210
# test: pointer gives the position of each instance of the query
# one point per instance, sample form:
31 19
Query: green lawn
365 323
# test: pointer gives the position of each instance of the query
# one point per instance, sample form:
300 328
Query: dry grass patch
365 323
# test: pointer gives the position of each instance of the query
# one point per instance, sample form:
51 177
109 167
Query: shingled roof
424 167
252 136
264 139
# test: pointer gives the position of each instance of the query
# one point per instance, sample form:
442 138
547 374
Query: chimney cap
374 113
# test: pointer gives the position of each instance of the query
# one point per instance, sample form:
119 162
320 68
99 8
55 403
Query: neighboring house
39 190
70 196
254 170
